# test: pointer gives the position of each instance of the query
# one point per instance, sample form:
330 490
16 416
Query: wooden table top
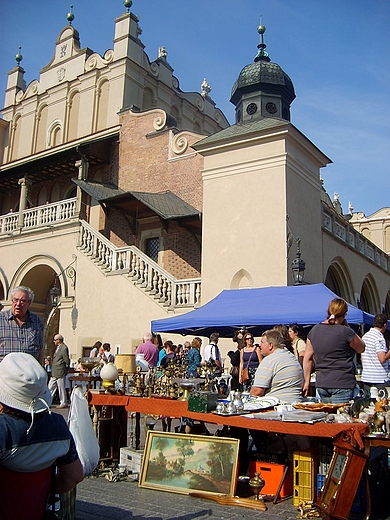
174 408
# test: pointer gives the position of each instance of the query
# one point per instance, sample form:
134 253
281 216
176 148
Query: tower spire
128 4
70 15
18 57
262 55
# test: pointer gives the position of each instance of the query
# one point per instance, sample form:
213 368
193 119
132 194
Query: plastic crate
305 469
320 482
272 474
130 460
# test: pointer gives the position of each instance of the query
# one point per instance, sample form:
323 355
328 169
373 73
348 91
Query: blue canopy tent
258 310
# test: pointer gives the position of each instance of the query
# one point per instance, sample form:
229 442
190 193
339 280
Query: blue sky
335 51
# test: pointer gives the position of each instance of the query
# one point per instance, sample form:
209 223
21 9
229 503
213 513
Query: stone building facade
137 200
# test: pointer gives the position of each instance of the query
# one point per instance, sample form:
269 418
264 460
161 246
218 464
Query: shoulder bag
245 371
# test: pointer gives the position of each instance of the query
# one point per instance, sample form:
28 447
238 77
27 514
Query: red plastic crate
272 474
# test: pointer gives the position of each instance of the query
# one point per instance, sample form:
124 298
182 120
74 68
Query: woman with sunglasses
250 358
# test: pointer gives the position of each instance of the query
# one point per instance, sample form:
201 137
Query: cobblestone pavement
99 499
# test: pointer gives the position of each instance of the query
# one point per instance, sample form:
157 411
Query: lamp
55 291
54 294
298 266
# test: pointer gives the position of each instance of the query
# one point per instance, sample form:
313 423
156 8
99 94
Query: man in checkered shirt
20 329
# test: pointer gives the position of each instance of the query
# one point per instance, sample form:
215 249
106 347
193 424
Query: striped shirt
48 441
27 338
373 370
281 375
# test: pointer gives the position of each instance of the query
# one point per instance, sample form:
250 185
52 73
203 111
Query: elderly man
20 329
149 349
59 369
279 373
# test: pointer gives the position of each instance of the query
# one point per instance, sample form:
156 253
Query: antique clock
345 471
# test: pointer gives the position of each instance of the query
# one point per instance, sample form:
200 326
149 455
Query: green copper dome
263 74
262 88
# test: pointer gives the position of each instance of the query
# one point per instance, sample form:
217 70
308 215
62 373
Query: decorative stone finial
337 204
18 56
162 53
70 15
128 4
261 55
205 88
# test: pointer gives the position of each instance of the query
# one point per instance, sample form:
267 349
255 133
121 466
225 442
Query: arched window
54 134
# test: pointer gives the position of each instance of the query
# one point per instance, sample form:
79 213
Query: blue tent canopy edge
258 309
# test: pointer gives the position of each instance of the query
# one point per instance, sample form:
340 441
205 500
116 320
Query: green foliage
220 459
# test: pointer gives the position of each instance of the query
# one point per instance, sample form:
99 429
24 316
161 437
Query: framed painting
183 463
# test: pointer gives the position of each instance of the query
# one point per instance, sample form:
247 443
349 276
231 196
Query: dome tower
262 89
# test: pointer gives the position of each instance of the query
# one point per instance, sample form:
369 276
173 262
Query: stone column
23 183
82 166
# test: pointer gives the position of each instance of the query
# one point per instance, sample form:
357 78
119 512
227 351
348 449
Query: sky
335 51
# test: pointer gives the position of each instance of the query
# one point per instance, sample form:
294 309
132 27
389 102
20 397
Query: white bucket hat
23 384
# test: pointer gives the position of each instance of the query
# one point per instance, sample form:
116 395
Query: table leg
368 494
137 430
95 419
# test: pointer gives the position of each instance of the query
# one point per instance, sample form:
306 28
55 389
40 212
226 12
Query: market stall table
79 378
163 407
174 408
109 421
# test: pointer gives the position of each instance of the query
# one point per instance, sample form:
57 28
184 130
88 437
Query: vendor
279 373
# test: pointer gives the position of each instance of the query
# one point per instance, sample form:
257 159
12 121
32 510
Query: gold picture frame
185 463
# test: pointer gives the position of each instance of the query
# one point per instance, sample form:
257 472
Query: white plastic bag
80 425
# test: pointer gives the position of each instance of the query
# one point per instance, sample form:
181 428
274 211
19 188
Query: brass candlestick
257 483
186 386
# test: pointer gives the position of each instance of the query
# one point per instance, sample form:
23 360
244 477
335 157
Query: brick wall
144 163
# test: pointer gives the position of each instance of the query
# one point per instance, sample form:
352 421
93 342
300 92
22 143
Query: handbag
245 371
245 374
80 426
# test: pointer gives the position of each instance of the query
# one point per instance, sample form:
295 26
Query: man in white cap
32 440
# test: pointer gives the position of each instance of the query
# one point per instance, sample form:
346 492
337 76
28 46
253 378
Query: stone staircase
138 268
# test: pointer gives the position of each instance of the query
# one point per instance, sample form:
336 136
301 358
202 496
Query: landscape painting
185 463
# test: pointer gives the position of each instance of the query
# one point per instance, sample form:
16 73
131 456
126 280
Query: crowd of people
281 364
159 354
